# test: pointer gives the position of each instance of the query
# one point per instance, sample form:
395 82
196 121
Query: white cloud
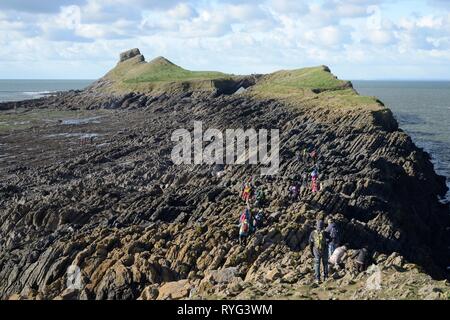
232 35
297 7
380 37
182 11
430 21
328 36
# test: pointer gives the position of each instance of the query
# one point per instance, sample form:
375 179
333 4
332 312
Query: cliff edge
134 225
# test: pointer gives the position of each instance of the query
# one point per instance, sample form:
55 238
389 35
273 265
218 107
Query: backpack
319 240
260 195
244 216
244 227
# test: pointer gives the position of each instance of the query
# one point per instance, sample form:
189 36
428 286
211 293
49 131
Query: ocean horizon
24 89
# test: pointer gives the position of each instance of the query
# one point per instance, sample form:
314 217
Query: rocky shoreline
138 226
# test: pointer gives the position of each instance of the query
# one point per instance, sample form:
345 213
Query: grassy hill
158 75
317 79
315 86
162 70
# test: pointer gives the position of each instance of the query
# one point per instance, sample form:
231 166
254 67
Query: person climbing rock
336 257
318 245
314 185
247 192
258 221
260 197
314 180
305 154
243 191
335 236
246 215
294 190
314 173
244 228
361 257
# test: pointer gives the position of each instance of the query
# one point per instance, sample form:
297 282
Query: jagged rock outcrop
139 226
131 54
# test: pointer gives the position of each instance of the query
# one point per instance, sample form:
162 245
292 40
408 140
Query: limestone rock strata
138 226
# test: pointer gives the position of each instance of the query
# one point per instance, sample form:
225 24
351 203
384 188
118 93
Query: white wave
38 93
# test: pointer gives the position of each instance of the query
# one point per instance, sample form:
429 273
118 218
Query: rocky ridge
138 226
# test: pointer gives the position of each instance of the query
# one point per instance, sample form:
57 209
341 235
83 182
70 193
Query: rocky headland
87 180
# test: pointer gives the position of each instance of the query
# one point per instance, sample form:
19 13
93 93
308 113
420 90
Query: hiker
244 228
314 185
362 259
305 154
315 173
314 180
247 192
333 231
318 246
258 221
244 192
294 191
246 215
260 197
336 257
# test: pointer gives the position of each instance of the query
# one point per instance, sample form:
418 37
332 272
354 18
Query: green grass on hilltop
159 75
294 81
315 86
349 98
160 70
169 73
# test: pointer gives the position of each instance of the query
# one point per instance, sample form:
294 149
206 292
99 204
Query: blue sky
357 39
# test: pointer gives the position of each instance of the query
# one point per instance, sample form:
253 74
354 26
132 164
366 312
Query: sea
422 108
16 90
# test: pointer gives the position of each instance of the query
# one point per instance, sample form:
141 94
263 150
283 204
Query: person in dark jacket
258 221
294 191
334 233
318 240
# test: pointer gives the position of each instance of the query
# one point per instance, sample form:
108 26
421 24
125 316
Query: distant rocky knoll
140 227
